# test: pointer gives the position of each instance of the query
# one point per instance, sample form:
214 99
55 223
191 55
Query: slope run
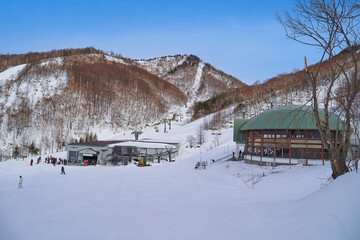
173 201
196 85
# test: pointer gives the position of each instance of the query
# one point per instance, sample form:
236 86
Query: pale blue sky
241 38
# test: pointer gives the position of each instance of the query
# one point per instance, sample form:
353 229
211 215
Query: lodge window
249 150
314 134
269 134
282 134
298 134
265 152
286 152
257 151
271 152
326 154
257 134
295 153
129 150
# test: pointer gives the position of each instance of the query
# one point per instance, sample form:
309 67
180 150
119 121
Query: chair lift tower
137 133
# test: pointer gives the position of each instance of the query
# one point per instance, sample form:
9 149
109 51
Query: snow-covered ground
228 200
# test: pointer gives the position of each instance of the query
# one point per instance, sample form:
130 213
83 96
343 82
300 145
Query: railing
221 160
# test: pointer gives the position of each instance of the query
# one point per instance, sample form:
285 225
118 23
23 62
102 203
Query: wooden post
290 141
274 146
252 143
261 147
306 152
322 152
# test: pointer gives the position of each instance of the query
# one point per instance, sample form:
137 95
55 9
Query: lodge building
286 134
121 151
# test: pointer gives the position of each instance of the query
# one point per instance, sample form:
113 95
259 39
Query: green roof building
288 133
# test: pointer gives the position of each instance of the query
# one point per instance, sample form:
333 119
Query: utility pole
136 133
217 134
165 120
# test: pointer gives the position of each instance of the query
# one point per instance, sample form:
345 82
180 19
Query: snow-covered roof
142 145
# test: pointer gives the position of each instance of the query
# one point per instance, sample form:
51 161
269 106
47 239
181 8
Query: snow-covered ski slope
229 200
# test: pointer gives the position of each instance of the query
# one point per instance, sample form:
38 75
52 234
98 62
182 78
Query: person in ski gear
31 162
20 182
62 170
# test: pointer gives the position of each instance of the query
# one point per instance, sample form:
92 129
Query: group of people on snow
48 160
51 160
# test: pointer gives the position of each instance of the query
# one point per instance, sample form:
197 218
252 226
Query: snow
197 81
118 60
160 66
58 61
227 200
35 90
10 73
142 145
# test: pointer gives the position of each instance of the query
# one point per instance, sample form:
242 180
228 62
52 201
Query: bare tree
200 134
191 140
333 27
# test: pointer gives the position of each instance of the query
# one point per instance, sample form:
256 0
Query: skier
20 182
38 160
62 170
31 162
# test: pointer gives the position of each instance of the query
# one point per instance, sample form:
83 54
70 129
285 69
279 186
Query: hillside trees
7 60
332 26
61 99
16 152
33 149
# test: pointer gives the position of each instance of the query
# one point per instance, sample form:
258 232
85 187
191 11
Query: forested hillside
53 98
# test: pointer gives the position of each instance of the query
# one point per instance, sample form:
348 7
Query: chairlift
216 133
201 165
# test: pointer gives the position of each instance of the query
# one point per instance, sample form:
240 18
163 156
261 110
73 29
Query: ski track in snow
197 83
10 73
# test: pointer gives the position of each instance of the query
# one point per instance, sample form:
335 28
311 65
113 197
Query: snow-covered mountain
198 80
53 98
57 97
